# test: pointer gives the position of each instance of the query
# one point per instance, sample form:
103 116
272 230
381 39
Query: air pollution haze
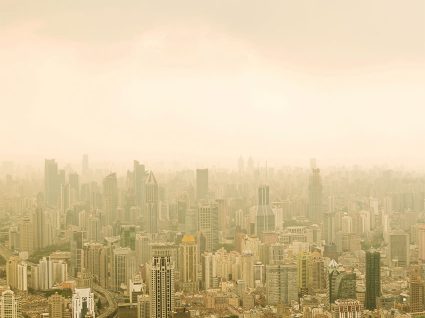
207 81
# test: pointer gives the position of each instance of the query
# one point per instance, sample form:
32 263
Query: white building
83 303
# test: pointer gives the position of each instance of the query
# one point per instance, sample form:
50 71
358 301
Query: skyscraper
123 266
373 279
265 220
139 176
51 183
421 241
152 207
189 263
162 287
417 290
315 196
398 248
208 225
110 197
281 283
9 305
201 184
143 306
76 247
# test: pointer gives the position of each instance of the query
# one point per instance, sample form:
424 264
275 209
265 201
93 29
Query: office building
9 305
265 219
189 263
201 184
110 198
373 279
162 287
151 216
208 226
281 284
315 197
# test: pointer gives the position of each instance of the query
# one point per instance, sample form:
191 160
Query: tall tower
123 266
76 248
139 175
152 208
315 196
208 225
265 220
303 270
373 279
189 263
420 239
110 197
201 184
51 183
162 287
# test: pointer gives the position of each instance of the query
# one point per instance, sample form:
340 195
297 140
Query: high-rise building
16 273
201 184
26 240
303 270
162 286
341 284
110 198
9 305
417 290
347 308
51 183
189 263
83 303
41 224
142 249
421 241
139 176
281 283
85 166
152 208
208 225
329 227
76 247
373 279
57 306
265 219
95 262
317 273
398 248
143 306
123 266
315 196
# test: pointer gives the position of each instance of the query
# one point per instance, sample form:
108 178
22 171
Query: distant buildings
201 184
315 209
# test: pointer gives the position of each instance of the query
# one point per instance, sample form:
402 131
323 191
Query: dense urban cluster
342 242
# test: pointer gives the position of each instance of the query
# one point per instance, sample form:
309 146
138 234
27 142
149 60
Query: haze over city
205 82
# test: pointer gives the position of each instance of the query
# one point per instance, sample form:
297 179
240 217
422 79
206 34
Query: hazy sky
208 80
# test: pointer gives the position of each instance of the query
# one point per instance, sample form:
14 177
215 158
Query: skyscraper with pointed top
151 209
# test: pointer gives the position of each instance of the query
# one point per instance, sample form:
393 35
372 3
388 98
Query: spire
151 178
